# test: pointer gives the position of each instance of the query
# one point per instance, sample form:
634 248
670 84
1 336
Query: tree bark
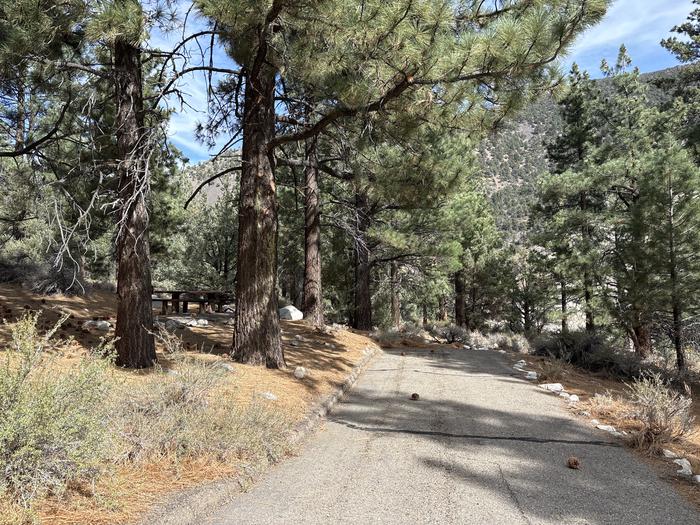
256 339
676 306
564 312
394 292
313 297
460 299
363 295
135 344
641 339
442 308
588 300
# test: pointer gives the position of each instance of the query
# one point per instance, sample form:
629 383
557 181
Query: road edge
190 506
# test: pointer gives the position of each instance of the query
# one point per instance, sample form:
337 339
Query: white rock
100 326
607 428
466 347
294 343
502 352
669 453
552 387
299 338
686 469
290 313
531 375
696 479
585 413
522 362
564 395
300 372
197 323
226 366
574 398
268 395
595 422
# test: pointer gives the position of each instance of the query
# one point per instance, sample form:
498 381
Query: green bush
51 425
589 351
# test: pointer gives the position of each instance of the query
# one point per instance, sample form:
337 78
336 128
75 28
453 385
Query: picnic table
205 299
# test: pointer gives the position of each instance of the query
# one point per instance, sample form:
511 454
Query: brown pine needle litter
126 489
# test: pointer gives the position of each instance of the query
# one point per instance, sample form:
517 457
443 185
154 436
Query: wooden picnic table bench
204 298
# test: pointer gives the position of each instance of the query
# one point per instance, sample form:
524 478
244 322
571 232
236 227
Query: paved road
481 446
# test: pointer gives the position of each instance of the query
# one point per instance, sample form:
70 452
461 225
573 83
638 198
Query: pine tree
686 84
363 59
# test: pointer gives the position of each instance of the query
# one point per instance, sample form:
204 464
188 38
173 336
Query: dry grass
128 489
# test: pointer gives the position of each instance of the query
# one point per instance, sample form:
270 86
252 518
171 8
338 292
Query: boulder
198 323
531 375
686 469
574 398
290 313
300 372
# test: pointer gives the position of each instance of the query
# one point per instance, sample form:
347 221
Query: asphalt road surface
480 446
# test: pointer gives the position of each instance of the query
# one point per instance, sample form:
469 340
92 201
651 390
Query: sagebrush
64 425
52 426
663 411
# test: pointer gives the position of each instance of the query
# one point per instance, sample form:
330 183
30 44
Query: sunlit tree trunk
394 292
135 344
313 297
256 339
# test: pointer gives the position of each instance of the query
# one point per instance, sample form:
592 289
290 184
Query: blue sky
639 24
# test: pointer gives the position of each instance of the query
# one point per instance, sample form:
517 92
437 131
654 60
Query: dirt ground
586 385
327 357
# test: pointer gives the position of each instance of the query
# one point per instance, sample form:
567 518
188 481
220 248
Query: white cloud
639 24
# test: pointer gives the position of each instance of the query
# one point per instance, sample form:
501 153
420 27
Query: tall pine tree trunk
564 312
676 309
313 298
135 345
641 338
363 296
256 339
588 300
394 292
442 307
460 299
